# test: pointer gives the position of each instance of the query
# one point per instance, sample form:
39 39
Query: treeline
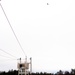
60 72
10 72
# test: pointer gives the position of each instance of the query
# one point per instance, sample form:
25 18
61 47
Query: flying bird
47 3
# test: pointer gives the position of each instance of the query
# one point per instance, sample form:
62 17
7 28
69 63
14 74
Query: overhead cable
6 57
7 53
12 29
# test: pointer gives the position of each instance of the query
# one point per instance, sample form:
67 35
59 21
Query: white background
46 33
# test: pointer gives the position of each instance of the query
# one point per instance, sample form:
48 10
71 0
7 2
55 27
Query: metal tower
24 68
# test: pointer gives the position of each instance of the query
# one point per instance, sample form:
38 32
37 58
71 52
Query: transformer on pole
24 68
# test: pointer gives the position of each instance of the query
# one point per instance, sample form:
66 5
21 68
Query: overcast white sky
46 33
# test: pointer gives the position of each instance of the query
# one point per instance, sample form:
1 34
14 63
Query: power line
7 60
6 57
7 53
12 29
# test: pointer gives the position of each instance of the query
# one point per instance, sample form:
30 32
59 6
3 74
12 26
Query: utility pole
30 65
23 67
